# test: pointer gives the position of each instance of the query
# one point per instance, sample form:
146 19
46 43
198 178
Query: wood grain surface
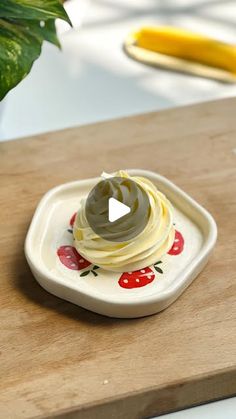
59 360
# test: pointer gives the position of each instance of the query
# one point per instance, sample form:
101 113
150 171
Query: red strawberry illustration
178 244
72 220
137 279
69 256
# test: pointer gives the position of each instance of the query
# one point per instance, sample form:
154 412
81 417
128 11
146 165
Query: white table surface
93 80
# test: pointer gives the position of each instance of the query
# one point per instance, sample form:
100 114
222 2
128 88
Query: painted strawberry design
178 244
137 279
72 220
69 256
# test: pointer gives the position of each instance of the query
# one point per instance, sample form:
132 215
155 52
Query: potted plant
24 25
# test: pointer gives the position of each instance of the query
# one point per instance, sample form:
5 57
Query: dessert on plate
117 248
147 265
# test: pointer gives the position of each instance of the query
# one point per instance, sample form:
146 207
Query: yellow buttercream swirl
145 249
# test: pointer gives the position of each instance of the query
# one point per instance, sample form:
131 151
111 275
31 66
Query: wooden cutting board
58 359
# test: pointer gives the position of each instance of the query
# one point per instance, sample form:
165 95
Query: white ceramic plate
49 242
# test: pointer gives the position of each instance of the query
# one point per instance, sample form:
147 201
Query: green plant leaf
24 25
33 10
47 32
20 46
19 49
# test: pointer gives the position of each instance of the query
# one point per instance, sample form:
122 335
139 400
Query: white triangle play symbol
116 209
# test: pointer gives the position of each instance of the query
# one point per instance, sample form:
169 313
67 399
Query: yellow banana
187 45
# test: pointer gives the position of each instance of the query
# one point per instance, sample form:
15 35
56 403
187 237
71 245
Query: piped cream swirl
143 250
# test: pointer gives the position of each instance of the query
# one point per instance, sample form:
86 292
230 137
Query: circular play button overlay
117 209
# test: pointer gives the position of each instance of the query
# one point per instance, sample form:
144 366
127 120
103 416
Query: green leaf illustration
85 273
158 269
94 273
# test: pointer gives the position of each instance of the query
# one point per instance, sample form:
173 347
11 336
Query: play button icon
117 210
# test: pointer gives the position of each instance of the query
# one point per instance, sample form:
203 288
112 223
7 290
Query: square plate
61 271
